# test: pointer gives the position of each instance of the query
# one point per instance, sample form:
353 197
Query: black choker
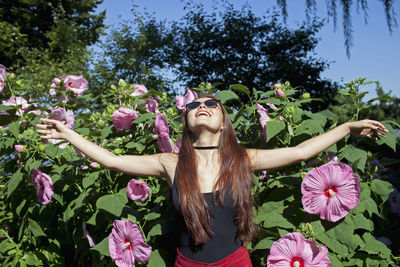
205 147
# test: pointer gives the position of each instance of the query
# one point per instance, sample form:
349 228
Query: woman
210 178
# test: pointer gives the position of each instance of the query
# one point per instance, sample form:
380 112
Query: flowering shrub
55 210
294 250
137 190
331 191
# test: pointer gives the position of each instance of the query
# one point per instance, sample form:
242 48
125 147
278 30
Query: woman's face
205 117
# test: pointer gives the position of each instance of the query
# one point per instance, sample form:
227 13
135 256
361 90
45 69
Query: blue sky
375 54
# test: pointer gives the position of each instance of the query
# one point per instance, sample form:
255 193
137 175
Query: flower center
330 191
297 262
126 245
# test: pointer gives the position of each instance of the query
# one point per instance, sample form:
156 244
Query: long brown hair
235 170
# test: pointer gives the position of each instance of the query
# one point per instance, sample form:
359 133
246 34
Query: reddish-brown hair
235 170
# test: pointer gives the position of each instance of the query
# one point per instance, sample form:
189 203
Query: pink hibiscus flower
271 106
293 250
19 148
66 116
279 93
330 190
123 117
178 145
140 89
263 119
181 101
162 131
137 190
75 84
3 77
18 101
43 185
126 244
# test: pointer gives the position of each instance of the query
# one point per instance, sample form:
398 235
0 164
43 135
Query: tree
45 39
133 52
58 25
346 5
239 47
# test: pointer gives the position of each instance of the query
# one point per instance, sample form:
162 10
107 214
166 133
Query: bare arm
276 158
140 165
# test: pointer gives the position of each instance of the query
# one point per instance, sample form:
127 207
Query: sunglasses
211 103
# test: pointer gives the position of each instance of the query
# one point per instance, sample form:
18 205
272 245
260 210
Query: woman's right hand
52 129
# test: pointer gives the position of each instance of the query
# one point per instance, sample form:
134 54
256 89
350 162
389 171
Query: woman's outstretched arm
140 165
276 158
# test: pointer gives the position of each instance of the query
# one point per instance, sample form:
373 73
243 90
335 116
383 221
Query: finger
42 126
49 121
43 132
380 126
381 134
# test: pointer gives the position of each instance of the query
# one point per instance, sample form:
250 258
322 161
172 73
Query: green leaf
102 247
31 164
20 207
277 220
371 206
390 139
83 131
240 88
268 208
344 92
333 244
32 259
274 127
90 179
113 204
354 155
361 222
52 150
382 188
14 128
381 97
14 182
105 132
310 127
74 206
334 261
156 230
145 118
373 246
226 95
152 216
343 232
156 260
35 228
265 243
138 146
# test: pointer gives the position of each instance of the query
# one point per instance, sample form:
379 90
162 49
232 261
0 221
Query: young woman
210 177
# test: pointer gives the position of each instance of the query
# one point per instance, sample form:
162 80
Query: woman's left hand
369 128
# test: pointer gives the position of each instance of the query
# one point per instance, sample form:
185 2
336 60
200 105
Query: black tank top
224 241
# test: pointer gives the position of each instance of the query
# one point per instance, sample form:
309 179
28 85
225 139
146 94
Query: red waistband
238 258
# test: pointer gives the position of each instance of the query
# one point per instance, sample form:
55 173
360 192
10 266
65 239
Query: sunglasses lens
192 105
211 103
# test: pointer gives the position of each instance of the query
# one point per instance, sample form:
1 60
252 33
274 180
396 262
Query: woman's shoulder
169 158
169 162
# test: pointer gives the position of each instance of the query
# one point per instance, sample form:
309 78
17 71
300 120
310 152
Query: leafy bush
88 198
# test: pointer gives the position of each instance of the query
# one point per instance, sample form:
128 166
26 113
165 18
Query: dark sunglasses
210 103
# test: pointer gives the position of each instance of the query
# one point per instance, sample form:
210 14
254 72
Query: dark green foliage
236 46
58 25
